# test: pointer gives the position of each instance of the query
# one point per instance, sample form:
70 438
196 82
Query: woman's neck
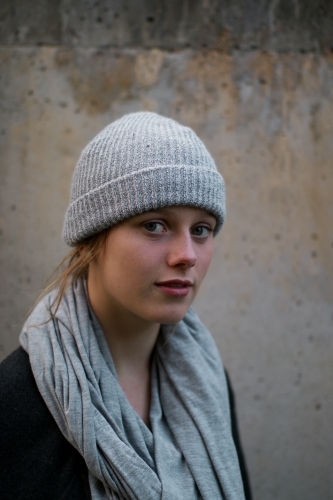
131 341
131 347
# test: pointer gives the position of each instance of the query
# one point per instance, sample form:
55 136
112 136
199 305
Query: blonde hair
74 266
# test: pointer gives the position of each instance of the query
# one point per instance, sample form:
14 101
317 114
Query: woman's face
152 264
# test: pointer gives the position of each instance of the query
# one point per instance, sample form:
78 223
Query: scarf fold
189 453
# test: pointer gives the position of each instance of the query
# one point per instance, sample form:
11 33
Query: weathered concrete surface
30 22
267 119
167 24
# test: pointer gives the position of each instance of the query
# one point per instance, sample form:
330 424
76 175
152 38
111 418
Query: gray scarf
189 452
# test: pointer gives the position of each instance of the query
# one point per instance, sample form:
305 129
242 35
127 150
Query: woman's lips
177 287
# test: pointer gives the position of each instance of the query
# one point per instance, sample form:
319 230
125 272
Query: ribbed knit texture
141 162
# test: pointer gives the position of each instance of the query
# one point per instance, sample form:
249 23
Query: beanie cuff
142 191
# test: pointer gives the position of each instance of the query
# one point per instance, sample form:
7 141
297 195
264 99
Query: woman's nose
182 252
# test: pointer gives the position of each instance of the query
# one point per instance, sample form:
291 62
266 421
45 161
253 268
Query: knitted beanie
141 162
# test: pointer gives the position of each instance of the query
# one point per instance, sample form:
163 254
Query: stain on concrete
147 67
98 77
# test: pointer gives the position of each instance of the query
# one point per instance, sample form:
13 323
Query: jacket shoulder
16 380
36 461
22 408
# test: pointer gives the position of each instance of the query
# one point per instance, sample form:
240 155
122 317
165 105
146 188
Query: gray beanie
141 162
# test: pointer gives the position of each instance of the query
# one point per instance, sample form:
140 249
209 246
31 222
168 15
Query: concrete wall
256 83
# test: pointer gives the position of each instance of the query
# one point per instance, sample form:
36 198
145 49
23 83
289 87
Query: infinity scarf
188 453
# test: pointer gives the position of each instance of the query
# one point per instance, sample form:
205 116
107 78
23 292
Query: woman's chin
171 316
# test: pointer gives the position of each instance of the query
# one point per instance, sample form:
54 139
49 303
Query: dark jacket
36 461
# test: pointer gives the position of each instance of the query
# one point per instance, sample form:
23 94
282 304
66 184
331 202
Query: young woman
118 391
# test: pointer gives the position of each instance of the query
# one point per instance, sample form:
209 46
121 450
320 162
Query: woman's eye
202 231
154 227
